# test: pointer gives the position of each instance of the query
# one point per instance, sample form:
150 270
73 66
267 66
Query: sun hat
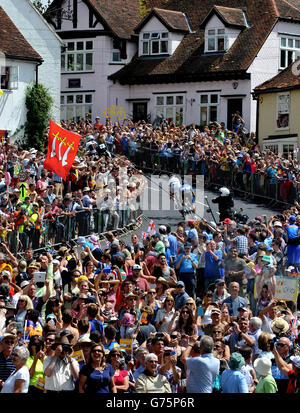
296 361
277 224
236 361
279 325
263 366
8 335
266 258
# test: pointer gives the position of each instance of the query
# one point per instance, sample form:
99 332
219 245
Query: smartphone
200 312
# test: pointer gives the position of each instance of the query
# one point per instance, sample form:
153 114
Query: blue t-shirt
97 381
212 266
186 264
202 373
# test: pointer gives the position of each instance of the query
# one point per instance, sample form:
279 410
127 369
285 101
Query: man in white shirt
61 369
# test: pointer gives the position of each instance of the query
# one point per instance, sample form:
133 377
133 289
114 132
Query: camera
67 349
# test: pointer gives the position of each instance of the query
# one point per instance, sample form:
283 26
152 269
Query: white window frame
293 49
13 79
280 143
278 108
64 105
154 36
75 53
215 36
208 105
174 105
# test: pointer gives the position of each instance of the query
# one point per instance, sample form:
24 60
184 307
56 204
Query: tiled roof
188 59
122 16
173 20
12 43
231 16
287 79
288 9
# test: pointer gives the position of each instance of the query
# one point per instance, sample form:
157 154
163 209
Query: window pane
70 99
165 35
62 100
145 48
62 113
160 113
290 57
204 99
282 58
211 32
169 113
79 61
89 61
170 100
159 100
71 62
146 35
214 98
203 114
297 44
89 45
63 61
79 114
71 46
221 43
70 112
179 116
179 100
88 109
88 98
155 47
164 47
283 42
116 56
79 99
290 42
211 43
154 35
213 113
221 31
80 45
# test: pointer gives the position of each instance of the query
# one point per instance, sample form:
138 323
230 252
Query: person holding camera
35 362
61 369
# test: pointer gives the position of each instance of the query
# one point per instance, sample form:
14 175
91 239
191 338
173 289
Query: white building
19 63
182 61
43 39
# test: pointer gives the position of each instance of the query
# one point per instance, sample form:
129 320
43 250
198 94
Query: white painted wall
82 21
118 93
12 103
154 25
43 39
266 64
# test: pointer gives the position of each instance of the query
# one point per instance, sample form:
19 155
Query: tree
38 104
40 6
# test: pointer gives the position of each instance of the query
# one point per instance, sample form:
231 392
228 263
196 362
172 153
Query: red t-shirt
98 125
119 380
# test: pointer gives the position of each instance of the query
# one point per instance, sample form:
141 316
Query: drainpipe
37 73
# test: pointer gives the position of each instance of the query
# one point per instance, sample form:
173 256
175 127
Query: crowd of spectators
191 309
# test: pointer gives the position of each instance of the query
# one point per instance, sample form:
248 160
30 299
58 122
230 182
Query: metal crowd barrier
252 185
67 228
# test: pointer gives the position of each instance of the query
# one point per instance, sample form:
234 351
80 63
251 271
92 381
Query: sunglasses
97 351
50 340
217 332
8 342
185 312
22 301
217 347
167 354
116 355
189 303
280 344
151 292
174 336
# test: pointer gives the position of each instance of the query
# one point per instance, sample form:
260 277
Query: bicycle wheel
121 115
108 113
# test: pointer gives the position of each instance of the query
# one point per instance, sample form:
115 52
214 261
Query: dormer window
216 40
155 43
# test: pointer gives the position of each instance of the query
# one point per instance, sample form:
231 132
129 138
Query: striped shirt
6 366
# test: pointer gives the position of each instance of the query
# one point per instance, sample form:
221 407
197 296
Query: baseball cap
258 218
296 361
187 245
136 267
157 234
242 309
180 283
277 224
227 221
292 218
219 281
215 311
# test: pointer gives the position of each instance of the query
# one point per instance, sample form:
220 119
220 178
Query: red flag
62 149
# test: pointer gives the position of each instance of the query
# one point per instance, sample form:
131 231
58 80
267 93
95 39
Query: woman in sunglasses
184 324
164 315
121 378
97 376
35 362
18 381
